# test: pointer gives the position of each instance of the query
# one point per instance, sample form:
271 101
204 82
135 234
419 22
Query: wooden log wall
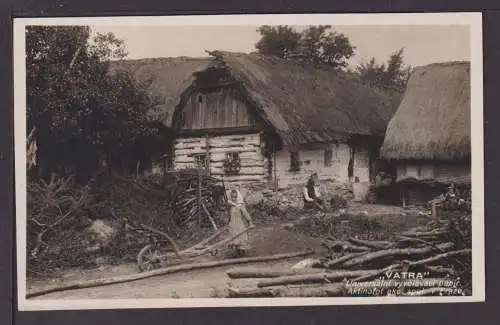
248 146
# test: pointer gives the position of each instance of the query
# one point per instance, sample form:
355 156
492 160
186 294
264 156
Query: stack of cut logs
417 254
197 198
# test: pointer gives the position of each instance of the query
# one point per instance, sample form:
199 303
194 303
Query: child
239 220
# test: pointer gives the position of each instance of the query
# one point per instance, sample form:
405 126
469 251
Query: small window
232 163
328 157
294 161
233 155
200 161
200 98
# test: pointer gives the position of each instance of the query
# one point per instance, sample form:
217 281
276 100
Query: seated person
311 194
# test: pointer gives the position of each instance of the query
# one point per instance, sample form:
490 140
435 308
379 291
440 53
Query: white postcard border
474 20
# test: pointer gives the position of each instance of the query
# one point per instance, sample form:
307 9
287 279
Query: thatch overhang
164 78
433 120
305 104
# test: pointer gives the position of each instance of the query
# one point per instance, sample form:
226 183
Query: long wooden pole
201 244
207 154
164 271
212 221
218 244
328 290
320 277
200 212
266 272
170 239
275 168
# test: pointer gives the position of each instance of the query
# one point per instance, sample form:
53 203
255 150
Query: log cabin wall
216 122
213 113
189 152
330 161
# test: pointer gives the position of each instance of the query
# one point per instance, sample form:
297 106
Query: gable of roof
308 104
164 78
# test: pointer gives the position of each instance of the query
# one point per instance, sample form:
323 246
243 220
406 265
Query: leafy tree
371 72
279 40
318 45
80 112
397 73
392 75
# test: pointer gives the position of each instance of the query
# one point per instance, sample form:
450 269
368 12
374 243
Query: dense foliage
82 115
314 45
391 76
321 45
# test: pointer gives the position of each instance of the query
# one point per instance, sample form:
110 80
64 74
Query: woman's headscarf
239 197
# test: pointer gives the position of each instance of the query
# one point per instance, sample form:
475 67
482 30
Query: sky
422 44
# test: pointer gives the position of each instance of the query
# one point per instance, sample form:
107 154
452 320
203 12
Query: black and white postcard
249 160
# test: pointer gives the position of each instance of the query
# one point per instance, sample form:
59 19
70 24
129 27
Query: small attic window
199 98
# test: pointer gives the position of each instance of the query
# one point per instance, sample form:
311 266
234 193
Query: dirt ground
266 239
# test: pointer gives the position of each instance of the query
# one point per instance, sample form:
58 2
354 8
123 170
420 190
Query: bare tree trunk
314 278
167 270
330 290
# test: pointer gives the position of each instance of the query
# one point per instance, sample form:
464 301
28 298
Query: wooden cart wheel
148 258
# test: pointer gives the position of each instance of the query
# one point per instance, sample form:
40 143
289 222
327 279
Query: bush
265 209
337 202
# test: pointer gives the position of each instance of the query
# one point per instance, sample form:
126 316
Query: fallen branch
255 292
371 244
344 246
440 269
167 270
314 278
338 261
394 252
170 239
432 233
218 244
417 240
329 290
201 244
214 225
243 273
440 257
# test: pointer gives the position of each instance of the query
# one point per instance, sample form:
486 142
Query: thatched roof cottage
256 118
164 78
429 136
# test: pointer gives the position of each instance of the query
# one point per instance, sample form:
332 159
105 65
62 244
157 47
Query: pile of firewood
197 199
60 209
418 262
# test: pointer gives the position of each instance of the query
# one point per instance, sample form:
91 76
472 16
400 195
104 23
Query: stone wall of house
330 162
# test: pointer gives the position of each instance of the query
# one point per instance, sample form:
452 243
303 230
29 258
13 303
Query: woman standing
239 221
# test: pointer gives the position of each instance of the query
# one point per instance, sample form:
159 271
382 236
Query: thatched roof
165 79
308 104
433 119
